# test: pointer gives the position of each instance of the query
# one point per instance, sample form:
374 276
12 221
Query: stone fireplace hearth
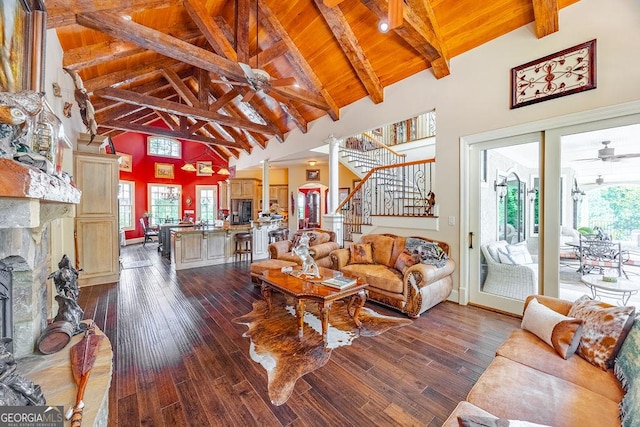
29 200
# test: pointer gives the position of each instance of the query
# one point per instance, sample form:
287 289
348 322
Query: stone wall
26 252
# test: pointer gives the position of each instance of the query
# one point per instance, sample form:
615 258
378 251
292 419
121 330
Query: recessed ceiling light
383 26
126 17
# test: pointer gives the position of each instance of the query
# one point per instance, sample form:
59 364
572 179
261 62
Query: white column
265 186
334 166
332 220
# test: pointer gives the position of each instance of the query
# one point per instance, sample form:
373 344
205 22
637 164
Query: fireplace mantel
29 198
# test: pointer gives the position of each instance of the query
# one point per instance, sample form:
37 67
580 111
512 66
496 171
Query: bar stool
244 245
278 234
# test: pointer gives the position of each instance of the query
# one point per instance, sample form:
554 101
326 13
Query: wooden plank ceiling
182 62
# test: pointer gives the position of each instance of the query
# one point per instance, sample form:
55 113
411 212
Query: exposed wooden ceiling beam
242 31
424 12
208 27
181 109
294 114
157 41
264 57
95 54
351 47
274 27
302 95
59 13
134 127
223 100
176 82
546 14
88 56
418 35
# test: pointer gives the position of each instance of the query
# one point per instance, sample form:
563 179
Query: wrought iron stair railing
402 189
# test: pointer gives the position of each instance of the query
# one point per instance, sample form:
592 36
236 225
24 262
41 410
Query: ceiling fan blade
230 82
286 81
591 159
395 11
248 71
627 156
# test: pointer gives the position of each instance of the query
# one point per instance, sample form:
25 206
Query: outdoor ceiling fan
607 154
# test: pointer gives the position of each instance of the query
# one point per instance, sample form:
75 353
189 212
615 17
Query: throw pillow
520 254
361 253
429 252
604 329
480 421
627 366
560 332
406 260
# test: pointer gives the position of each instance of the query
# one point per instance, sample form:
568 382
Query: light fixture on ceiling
203 167
599 180
206 168
383 26
188 167
312 162
126 17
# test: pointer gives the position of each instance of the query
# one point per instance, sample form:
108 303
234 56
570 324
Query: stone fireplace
29 200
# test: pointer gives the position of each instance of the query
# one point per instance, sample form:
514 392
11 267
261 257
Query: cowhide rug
286 357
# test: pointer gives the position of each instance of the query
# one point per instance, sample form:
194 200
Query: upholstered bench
258 267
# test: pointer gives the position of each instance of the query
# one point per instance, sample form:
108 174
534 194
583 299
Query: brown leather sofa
321 243
411 289
528 381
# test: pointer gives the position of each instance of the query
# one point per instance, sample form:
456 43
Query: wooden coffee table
310 289
622 288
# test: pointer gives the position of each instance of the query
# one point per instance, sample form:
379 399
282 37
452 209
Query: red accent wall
143 171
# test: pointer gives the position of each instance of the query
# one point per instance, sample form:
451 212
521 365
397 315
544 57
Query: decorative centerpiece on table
309 267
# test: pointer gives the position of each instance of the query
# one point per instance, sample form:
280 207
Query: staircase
390 186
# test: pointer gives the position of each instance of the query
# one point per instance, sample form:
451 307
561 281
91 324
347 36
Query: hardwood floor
180 361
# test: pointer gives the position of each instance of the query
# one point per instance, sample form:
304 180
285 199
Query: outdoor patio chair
596 255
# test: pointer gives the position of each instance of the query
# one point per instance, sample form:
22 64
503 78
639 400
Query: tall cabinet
96 223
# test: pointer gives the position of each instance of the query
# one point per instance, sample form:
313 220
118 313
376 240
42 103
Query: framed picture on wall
164 170
313 174
125 162
204 168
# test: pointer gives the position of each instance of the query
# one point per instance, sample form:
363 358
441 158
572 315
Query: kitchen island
203 245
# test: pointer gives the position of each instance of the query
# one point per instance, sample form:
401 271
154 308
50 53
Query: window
165 147
207 203
164 204
126 198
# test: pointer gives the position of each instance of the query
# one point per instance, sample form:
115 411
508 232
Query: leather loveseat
529 380
321 243
397 276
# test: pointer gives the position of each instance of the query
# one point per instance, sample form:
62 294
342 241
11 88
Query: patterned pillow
406 260
560 332
361 253
430 252
604 330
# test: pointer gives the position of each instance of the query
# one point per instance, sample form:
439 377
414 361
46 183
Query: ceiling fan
257 78
607 154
